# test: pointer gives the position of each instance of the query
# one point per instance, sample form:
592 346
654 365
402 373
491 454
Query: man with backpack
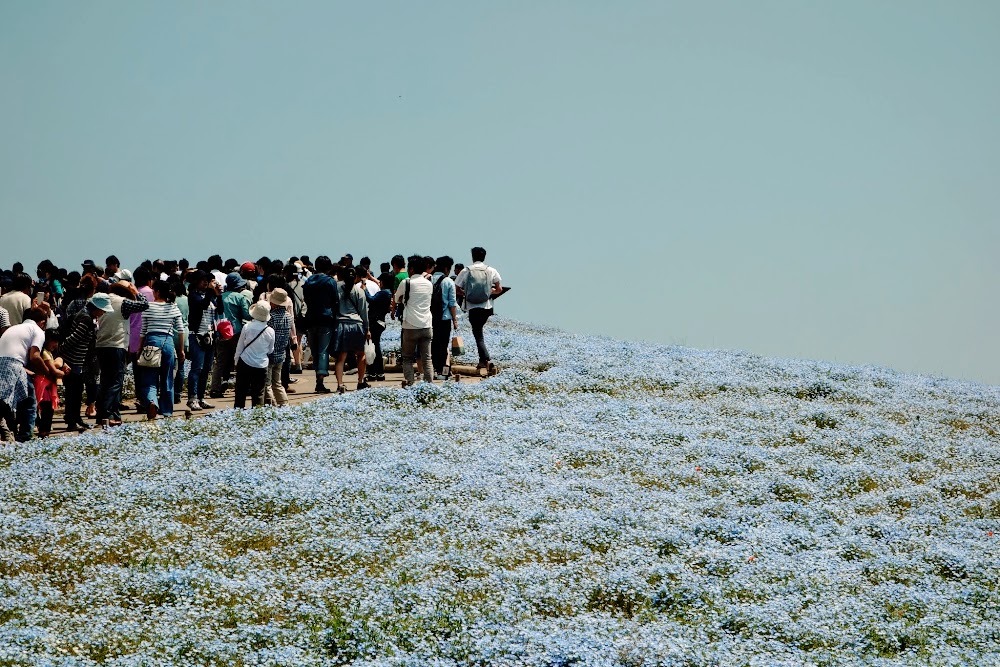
414 294
478 284
444 308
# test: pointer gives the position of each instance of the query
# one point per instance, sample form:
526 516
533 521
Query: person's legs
424 342
120 359
166 380
377 368
105 390
242 384
277 388
477 318
206 367
196 354
178 381
73 384
362 367
44 422
225 357
319 345
258 380
439 345
90 374
407 348
338 370
25 416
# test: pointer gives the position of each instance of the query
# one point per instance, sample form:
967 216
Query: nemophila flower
597 503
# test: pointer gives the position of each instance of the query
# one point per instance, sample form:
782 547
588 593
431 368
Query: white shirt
17 341
16 303
371 287
255 354
417 311
494 277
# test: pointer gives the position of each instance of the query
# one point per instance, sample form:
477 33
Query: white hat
260 311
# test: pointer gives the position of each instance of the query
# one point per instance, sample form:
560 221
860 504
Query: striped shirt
162 318
77 346
4 318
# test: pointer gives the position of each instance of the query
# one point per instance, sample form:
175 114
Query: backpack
437 299
316 290
477 284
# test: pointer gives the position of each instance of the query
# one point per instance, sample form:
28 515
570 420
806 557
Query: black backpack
437 299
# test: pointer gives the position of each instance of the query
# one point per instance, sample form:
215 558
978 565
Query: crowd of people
256 320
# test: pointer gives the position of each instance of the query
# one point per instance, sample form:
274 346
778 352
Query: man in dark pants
478 284
78 350
444 307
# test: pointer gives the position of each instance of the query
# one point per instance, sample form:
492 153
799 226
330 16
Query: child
46 389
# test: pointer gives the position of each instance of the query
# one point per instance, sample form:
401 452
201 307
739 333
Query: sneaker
363 385
295 370
205 406
194 407
439 376
322 389
341 389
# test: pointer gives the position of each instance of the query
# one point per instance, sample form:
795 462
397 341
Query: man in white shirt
20 348
418 323
478 284
18 300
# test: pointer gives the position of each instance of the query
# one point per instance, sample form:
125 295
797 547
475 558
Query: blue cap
234 281
101 301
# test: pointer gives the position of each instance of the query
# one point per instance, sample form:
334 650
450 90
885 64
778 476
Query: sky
814 180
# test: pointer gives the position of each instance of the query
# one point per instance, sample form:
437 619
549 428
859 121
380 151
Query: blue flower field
597 503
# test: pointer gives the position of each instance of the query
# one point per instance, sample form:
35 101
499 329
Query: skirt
350 337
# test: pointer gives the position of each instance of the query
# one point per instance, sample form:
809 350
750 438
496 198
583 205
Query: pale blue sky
796 179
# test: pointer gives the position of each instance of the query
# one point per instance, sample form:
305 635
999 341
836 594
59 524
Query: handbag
369 352
150 357
457 346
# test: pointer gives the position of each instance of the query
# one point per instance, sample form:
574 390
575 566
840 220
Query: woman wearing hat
255 344
159 324
284 333
78 351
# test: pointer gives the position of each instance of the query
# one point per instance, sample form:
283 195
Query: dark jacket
322 300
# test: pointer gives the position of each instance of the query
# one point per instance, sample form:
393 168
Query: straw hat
279 297
260 311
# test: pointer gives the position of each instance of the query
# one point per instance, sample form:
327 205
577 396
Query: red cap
248 266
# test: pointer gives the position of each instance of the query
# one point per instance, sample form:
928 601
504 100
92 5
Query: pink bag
225 329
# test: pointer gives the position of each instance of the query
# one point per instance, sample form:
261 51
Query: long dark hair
348 275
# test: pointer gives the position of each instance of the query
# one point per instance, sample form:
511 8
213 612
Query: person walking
20 349
160 322
280 321
236 309
322 308
78 350
444 308
414 295
478 284
202 303
352 327
256 342
111 347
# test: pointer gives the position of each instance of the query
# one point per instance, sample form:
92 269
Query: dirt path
300 392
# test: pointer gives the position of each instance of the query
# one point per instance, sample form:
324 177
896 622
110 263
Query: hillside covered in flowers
597 503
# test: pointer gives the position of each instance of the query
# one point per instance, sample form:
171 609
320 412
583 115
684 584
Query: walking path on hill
303 393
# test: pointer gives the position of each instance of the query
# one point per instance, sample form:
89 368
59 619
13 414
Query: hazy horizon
798 181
